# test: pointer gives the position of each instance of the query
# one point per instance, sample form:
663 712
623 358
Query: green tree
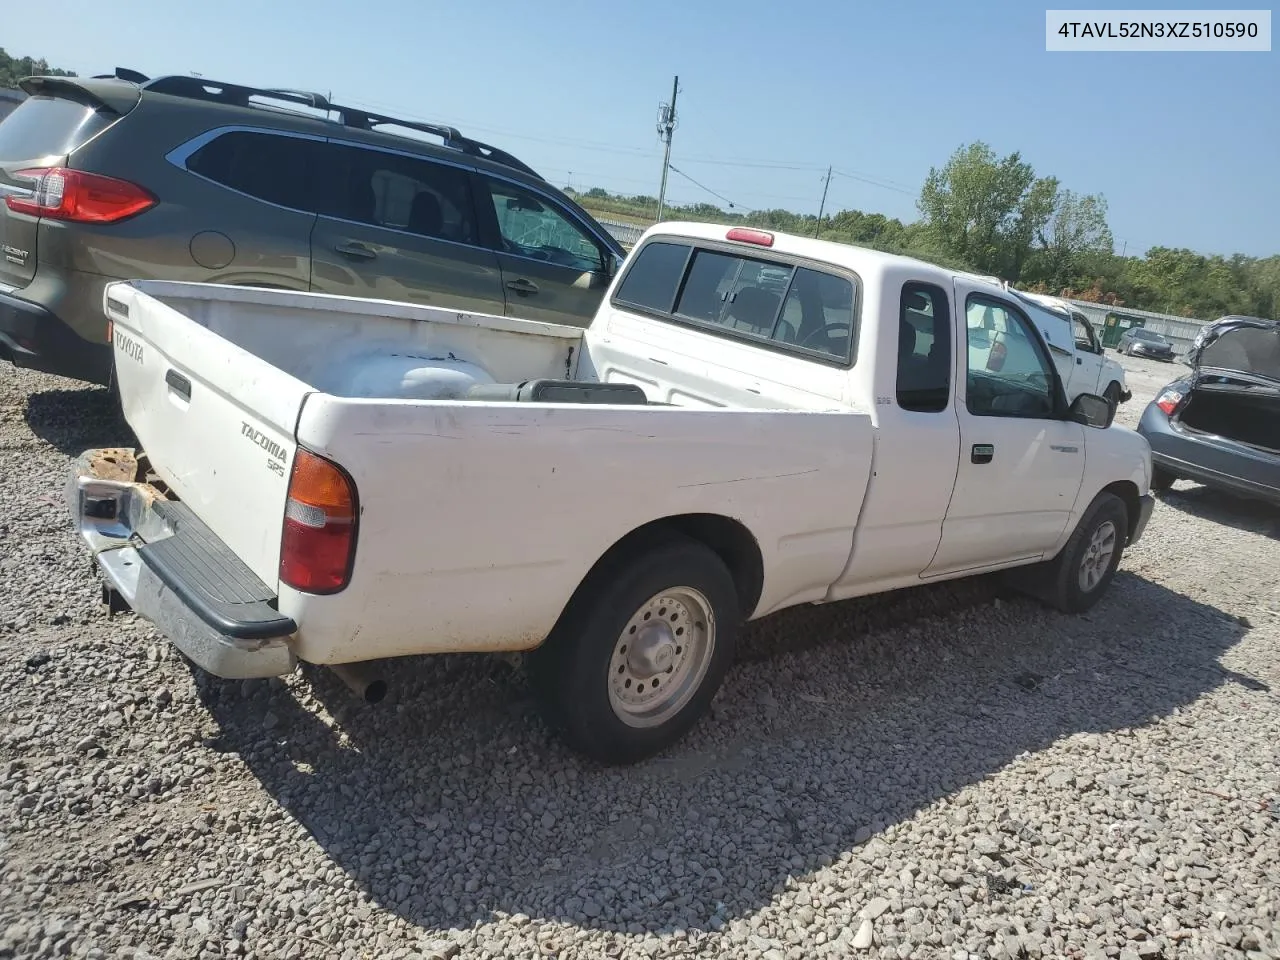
1073 242
986 210
14 69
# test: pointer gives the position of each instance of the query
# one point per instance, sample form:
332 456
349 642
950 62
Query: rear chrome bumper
159 560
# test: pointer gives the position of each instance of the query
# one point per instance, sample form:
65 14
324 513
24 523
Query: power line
897 188
703 186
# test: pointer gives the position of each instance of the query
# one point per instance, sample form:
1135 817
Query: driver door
1088 375
1020 466
552 268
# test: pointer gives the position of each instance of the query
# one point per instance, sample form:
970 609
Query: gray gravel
950 772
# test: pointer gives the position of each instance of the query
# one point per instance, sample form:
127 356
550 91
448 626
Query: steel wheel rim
1097 556
661 657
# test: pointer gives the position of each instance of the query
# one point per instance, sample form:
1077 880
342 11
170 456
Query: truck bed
478 517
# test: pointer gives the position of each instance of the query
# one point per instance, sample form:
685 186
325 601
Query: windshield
1147 335
1247 349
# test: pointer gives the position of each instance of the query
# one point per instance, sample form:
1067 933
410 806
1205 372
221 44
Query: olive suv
182 178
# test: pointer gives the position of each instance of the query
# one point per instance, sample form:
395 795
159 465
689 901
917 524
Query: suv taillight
79 197
319 537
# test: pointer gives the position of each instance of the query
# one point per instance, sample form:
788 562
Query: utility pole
666 124
823 205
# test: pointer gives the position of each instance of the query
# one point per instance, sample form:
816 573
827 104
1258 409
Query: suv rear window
268 166
45 126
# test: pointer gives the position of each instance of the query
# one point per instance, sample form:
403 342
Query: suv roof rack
198 88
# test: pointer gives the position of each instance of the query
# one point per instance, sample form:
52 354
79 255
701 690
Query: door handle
522 286
357 250
982 453
178 383
1079 359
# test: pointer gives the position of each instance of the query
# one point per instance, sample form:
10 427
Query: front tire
1077 578
1112 396
639 652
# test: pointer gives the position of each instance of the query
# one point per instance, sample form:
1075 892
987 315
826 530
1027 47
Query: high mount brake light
759 237
319 537
78 197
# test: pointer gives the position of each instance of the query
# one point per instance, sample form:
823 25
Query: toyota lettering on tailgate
130 347
278 454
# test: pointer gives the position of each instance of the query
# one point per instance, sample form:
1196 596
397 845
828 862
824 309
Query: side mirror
1091 410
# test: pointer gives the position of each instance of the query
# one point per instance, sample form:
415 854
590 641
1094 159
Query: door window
403 193
1083 334
531 227
1009 374
924 349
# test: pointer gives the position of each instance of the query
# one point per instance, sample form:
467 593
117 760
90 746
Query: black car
1219 425
1139 342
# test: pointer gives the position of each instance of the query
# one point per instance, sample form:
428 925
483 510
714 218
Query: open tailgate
216 422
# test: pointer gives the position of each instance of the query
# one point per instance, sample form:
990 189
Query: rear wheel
1076 578
640 651
1161 479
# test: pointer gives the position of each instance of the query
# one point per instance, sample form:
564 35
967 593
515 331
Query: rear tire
639 652
1161 479
1077 578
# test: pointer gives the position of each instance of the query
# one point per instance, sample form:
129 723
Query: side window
653 276
1083 333
267 166
924 349
1008 373
403 193
531 227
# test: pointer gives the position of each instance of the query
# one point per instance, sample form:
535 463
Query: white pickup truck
751 421
1077 350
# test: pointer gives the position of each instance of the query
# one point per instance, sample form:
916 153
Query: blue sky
1183 146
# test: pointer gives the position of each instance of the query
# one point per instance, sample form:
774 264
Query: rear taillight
1168 401
319 538
79 197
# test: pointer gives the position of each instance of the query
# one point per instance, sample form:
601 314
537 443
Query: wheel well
1127 491
728 538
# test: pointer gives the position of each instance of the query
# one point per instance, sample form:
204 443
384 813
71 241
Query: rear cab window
783 306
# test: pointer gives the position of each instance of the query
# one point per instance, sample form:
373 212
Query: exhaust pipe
361 680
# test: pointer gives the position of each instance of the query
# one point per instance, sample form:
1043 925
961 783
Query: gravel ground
949 772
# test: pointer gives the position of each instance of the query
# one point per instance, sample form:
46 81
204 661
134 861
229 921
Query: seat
755 309
364 202
425 215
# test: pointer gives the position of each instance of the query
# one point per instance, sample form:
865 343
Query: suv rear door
40 133
399 227
553 268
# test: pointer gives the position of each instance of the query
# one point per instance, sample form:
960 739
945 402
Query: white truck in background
1077 349
752 421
